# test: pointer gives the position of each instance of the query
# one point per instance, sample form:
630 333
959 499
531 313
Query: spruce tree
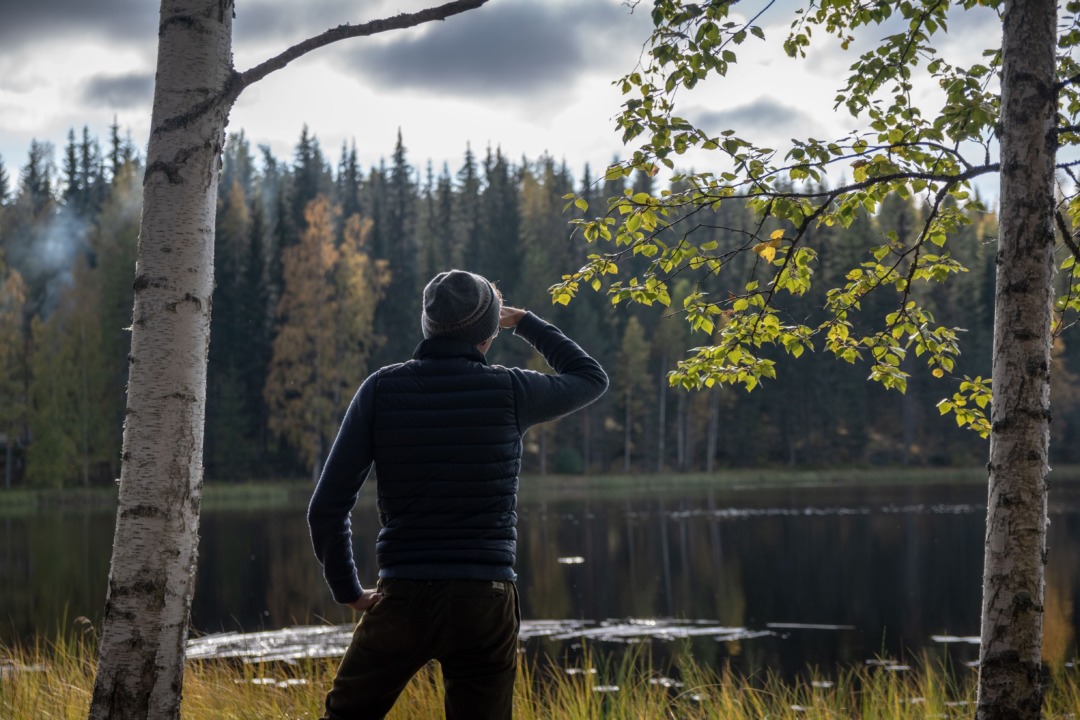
466 213
310 176
226 450
73 189
499 222
399 319
349 182
5 183
116 146
91 175
257 316
238 166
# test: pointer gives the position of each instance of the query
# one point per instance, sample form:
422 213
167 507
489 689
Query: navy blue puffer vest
447 457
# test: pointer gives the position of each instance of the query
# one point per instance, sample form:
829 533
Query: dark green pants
469 626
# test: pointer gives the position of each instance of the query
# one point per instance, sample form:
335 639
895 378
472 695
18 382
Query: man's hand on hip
366 601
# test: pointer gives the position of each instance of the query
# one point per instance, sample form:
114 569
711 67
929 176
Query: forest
319 270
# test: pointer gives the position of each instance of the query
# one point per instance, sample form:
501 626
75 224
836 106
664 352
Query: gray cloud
119 91
25 22
269 19
502 49
764 115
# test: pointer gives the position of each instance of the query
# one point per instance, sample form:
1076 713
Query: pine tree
73 190
257 316
349 182
427 230
5 184
499 222
25 238
444 222
115 150
227 452
37 183
91 176
238 166
399 319
311 176
466 218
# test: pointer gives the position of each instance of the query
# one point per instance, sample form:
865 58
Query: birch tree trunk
151 578
1015 547
141 661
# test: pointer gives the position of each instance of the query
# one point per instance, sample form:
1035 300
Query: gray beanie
461 305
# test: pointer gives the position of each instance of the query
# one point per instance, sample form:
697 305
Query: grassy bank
216 496
219 495
56 682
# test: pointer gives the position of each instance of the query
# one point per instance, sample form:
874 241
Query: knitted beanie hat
461 305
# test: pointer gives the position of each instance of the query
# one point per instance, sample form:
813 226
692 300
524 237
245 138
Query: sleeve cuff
346 592
530 326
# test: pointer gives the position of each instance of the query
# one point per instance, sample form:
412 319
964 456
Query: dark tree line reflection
875 571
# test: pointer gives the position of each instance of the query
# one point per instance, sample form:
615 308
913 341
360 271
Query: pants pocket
482 614
388 627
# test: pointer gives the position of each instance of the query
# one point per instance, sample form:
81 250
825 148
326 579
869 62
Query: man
444 433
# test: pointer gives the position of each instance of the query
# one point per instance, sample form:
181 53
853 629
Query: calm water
801 576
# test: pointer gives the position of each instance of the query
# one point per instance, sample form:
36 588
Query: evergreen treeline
320 268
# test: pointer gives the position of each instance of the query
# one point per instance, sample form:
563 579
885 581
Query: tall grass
55 681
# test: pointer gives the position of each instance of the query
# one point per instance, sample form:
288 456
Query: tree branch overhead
346 31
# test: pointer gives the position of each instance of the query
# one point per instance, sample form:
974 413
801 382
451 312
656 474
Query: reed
55 679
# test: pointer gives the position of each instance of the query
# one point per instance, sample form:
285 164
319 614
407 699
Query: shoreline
219 495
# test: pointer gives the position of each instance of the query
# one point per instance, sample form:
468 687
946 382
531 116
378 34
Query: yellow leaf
938 372
765 251
777 235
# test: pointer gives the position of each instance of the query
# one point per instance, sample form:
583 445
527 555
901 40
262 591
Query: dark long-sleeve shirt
538 397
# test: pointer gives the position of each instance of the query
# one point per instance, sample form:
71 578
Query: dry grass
55 681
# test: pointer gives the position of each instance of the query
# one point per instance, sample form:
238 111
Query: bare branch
238 81
1066 236
1068 81
343 32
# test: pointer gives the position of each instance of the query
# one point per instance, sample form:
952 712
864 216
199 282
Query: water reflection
779 579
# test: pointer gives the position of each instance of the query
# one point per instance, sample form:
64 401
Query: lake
777 578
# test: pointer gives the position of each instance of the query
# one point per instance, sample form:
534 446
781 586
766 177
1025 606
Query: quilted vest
447 458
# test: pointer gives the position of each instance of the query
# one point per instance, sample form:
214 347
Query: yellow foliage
324 335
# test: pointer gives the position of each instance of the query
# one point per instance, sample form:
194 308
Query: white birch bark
140 667
1015 547
155 545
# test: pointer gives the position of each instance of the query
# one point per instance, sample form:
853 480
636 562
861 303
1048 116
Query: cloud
25 22
507 48
270 19
119 91
765 116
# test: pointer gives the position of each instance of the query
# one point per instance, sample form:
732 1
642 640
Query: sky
527 76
